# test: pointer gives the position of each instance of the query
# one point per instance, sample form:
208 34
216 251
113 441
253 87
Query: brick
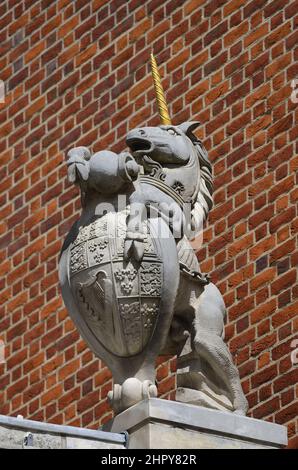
241 245
260 216
264 360
17 358
216 33
17 330
281 219
34 391
263 278
283 187
235 33
68 339
256 34
215 63
51 336
282 349
88 401
196 61
17 387
260 124
282 250
285 380
286 414
260 185
220 242
88 371
265 375
35 51
280 126
241 213
285 315
166 385
242 307
51 53
266 408
263 344
263 311
68 369
283 282
238 123
216 123
103 376
257 65
247 368
262 247
242 339
68 398
273 7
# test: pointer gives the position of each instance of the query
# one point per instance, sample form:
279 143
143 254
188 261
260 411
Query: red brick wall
77 73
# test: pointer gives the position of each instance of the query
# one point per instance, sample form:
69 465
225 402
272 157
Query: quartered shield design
119 300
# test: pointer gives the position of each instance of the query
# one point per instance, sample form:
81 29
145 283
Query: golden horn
160 96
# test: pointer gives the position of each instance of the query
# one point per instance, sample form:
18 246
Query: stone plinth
163 424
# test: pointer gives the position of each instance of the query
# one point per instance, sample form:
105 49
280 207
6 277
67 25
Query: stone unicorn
129 276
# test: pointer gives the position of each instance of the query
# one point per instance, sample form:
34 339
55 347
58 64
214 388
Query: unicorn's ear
78 164
188 128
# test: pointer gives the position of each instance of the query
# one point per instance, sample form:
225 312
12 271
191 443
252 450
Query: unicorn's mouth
138 145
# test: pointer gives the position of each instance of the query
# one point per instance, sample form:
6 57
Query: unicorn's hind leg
209 344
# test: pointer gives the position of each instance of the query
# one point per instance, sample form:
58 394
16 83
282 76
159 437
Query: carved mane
204 200
206 189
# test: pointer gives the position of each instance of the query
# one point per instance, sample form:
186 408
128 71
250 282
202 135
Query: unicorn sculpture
130 278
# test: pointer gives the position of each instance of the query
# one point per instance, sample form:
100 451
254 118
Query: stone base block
164 424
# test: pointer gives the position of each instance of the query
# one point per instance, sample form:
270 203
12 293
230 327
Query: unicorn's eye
172 132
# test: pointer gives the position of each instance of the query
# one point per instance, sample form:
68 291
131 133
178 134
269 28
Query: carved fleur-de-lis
126 277
96 248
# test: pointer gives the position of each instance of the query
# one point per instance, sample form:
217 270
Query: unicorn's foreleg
136 226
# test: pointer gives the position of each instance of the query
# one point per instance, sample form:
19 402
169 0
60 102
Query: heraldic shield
118 301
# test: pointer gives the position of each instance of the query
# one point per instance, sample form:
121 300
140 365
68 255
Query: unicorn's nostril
142 132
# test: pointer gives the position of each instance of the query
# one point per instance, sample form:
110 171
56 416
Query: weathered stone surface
14 439
163 436
11 438
77 443
51 436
